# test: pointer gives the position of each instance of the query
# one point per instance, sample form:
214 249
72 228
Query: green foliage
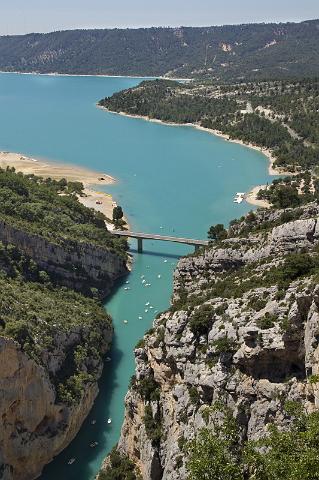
313 379
194 395
120 468
257 303
224 345
215 453
217 232
267 321
220 107
33 313
35 205
153 425
299 264
186 51
148 388
201 320
291 455
117 214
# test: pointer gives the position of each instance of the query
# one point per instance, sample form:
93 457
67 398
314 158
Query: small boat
147 304
140 318
239 197
143 281
72 460
159 276
93 422
125 321
151 307
127 282
165 261
145 310
109 421
94 444
108 359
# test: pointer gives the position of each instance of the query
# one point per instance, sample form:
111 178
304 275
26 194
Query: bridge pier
140 245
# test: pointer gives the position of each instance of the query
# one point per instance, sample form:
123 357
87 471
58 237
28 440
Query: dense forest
281 116
50 208
226 52
36 309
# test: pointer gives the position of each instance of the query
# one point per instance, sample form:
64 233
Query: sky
25 16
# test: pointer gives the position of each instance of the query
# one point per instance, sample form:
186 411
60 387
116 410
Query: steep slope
249 51
52 338
242 333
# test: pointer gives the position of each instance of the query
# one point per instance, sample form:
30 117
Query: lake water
177 178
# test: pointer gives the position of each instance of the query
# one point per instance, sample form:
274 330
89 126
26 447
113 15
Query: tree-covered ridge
281 116
50 209
224 52
41 318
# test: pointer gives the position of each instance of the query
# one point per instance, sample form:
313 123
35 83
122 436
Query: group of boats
239 197
92 444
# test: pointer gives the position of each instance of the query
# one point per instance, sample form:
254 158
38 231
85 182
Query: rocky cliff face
243 329
34 426
76 265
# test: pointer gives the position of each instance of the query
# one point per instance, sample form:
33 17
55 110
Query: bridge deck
164 238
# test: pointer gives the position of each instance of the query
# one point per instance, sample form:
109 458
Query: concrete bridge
163 238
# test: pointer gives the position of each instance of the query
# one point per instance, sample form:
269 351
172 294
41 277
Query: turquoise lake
177 178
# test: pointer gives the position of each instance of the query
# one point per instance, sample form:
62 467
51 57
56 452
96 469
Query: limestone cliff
243 329
77 265
35 425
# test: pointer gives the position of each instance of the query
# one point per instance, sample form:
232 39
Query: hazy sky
22 16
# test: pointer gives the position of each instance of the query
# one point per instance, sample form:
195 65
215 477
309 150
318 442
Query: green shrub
201 320
148 388
153 425
267 321
120 468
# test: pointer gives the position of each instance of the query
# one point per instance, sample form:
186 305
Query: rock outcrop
243 330
35 427
77 265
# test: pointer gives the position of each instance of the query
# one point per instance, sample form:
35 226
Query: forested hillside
280 116
234 51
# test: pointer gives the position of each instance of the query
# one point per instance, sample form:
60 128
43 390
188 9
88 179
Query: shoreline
251 196
100 201
102 75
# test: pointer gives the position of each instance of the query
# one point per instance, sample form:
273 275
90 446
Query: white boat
109 420
158 276
239 197
108 359
125 321
140 318
93 422
72 460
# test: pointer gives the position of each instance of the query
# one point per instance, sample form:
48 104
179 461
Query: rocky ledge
243 330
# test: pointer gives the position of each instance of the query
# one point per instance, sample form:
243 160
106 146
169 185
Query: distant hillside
227 52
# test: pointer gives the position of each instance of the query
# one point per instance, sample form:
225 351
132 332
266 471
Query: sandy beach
251 197
100 201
